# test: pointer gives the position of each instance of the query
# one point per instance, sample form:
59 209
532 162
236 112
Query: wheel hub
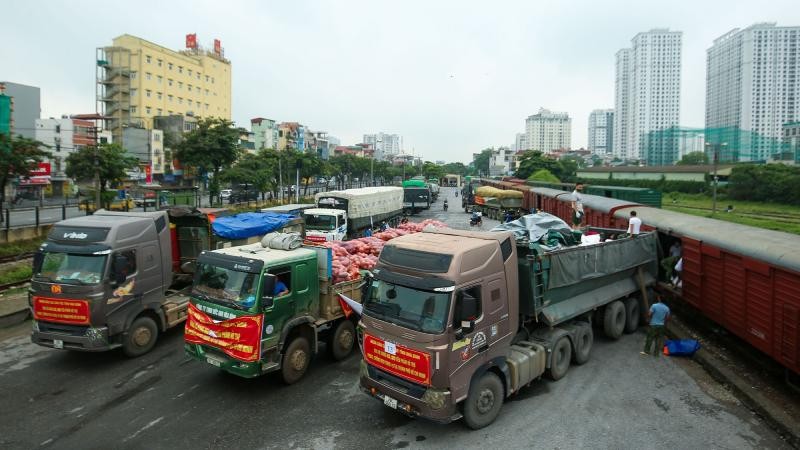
485 401
346 340
141 336
298 360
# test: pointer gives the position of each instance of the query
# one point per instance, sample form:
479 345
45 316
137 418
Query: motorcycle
475 220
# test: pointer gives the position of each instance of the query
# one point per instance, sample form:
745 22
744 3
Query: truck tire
560 358
632 314
584 338
140 337
295 360
340 342
614 320
484 401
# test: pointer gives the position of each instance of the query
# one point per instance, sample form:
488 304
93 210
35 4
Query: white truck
341 215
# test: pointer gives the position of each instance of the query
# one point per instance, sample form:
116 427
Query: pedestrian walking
658 317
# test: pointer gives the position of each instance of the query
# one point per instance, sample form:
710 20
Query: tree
544 175
480 162
455 168
112 160
432 170
213 145
255 170
19 156
693 159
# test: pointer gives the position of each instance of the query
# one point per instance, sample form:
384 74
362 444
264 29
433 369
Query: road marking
149 425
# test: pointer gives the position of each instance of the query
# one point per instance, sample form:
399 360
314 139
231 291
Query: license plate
214 362
58 343
390 402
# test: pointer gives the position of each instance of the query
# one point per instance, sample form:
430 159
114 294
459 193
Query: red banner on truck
239 338
404 362
61 310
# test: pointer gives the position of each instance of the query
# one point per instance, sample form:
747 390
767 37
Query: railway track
15 258
7 286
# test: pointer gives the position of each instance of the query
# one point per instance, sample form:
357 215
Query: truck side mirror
267 291
465 315
38 259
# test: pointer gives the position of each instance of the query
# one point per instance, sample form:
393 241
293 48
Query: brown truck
454 322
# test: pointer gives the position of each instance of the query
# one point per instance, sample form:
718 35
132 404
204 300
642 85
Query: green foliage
693 159
18 156
20 247
480 162
455 168
17 272
777 183
213 145
112 160
544 175
432 170
534 161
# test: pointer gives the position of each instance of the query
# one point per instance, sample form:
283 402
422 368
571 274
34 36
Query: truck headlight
434 398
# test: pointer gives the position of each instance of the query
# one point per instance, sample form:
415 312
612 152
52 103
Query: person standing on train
577 207
634 224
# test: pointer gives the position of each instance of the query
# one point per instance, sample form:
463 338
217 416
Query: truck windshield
70 268
326 223
419 310
225 286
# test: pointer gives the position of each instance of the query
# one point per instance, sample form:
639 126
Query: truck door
283 304
469 352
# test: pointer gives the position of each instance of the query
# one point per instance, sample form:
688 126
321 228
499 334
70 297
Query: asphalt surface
619 399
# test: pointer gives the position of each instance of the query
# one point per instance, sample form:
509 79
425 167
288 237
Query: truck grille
398 384
70 330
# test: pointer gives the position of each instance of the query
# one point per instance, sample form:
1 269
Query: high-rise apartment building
26 107
138 80
385 145
548 131
752 89
601 131
521 142
647 90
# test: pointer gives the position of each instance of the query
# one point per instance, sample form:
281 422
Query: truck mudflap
408 398
70 337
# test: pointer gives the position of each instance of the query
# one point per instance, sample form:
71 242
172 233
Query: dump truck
346 214
105 281
454 322
241 325
494 203
416 196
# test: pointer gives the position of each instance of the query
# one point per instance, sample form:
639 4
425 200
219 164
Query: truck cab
324 224
425 340
105 281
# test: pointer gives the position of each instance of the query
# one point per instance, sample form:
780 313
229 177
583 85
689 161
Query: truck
416 196
494 203
239 324
455 322
346 214
468 195
293 208
105 281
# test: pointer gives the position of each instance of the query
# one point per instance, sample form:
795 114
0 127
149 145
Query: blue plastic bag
681 347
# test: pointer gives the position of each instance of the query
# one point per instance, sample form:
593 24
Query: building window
159 63
169 82
148 75
147 110
159 78
206 105
169 111
133 110
180 84
160 111
189 101
180 69
169 98
206 78
147 92
198 75
206 92
212 80
158 95
189 86
180 100
133 75
169 66
147 58
134 92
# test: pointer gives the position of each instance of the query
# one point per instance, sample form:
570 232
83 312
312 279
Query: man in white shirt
577 207
634 224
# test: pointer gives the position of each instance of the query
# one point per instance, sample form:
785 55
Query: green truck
239 322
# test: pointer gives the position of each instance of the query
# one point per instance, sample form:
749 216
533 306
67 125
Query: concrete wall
27 107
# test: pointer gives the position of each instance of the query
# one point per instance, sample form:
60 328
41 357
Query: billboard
217 47
191 40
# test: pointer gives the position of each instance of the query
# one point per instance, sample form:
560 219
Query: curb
13 310
14 318
772 414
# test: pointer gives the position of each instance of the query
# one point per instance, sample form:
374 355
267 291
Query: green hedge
775 183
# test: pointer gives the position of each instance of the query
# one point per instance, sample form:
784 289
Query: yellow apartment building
138 80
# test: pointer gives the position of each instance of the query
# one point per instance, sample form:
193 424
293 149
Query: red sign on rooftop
191 40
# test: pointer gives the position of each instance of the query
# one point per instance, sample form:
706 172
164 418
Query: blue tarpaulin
246 225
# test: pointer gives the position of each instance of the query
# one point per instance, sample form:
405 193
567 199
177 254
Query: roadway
619 399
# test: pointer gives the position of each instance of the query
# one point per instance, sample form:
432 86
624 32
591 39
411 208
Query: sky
451 77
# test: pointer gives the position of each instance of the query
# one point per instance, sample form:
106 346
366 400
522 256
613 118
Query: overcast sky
450 77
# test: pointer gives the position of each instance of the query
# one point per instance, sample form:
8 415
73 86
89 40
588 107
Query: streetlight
716 148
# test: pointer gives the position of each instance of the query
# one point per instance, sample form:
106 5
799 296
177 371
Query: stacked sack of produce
362 253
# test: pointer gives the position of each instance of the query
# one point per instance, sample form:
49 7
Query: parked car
119 204
225 194
146 199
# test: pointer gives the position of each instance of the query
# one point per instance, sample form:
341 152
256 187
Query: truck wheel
632 314
614 320
559 359
584 338
484 401
140 338
295 360
340 343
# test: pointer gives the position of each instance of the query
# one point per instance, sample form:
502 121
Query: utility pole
280 179
96 169
297 166
716 148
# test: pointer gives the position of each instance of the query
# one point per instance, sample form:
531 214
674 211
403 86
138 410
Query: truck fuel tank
526 361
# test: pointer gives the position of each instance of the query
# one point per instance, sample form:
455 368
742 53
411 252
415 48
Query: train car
645 196
566 187
600 211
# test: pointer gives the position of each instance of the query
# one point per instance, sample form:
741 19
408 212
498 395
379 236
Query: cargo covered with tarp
559 279
365 202
246 225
